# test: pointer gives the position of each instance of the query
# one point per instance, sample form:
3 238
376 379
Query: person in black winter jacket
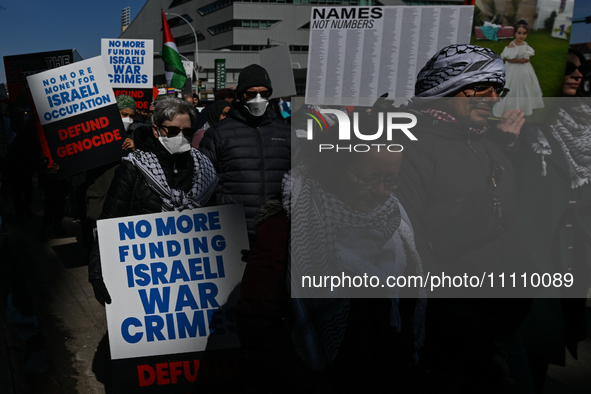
250 149
163 174
460 195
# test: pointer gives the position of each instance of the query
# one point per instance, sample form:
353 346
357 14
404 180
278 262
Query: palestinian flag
174 70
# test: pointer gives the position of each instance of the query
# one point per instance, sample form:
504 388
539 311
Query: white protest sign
189 68
277 62
129 63
168 274
71 90
359 53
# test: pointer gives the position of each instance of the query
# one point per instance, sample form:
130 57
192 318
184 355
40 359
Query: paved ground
575 377
54 335
57 343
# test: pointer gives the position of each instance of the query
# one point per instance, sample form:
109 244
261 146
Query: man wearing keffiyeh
460 197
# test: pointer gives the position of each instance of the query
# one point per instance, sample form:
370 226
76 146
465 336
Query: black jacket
129 194
264 319
249 158
464 221
449 196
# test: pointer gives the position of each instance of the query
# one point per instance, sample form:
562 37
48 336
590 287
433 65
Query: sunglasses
173 131
571 68
390 182
264 94
485 91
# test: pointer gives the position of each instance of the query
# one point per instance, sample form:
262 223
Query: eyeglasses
484 91
250 95
390 182
173 131
571 68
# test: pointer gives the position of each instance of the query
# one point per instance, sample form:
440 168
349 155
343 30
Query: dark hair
581 92
521 23
572 51
224 94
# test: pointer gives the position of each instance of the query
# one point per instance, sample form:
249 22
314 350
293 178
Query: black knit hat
251 77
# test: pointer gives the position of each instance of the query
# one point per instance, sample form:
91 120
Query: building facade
236 30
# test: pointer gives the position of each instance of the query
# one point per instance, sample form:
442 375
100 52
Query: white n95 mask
176 144
257 105
127 122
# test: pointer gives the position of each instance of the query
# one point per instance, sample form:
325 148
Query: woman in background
216 113
554 176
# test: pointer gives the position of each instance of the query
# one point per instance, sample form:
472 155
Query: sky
29 26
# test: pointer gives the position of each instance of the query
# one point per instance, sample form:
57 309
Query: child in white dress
524 89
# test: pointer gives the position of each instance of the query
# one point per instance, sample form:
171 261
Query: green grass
549 61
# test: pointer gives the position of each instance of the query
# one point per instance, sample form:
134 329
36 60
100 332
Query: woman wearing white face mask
163 174
126 105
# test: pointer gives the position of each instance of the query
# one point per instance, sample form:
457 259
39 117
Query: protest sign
130 67
277 62
173 278
359 53
18 67
79 116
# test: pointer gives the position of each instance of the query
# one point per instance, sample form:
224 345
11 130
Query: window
188 39
245 48
251 24
176 21
176 3
216 5
298 48
222 27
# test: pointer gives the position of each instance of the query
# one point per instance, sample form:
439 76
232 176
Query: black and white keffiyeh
456 66
204 180
380 243
572 130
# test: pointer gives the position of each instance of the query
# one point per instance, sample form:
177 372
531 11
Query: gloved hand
245 255
382 104
100 292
